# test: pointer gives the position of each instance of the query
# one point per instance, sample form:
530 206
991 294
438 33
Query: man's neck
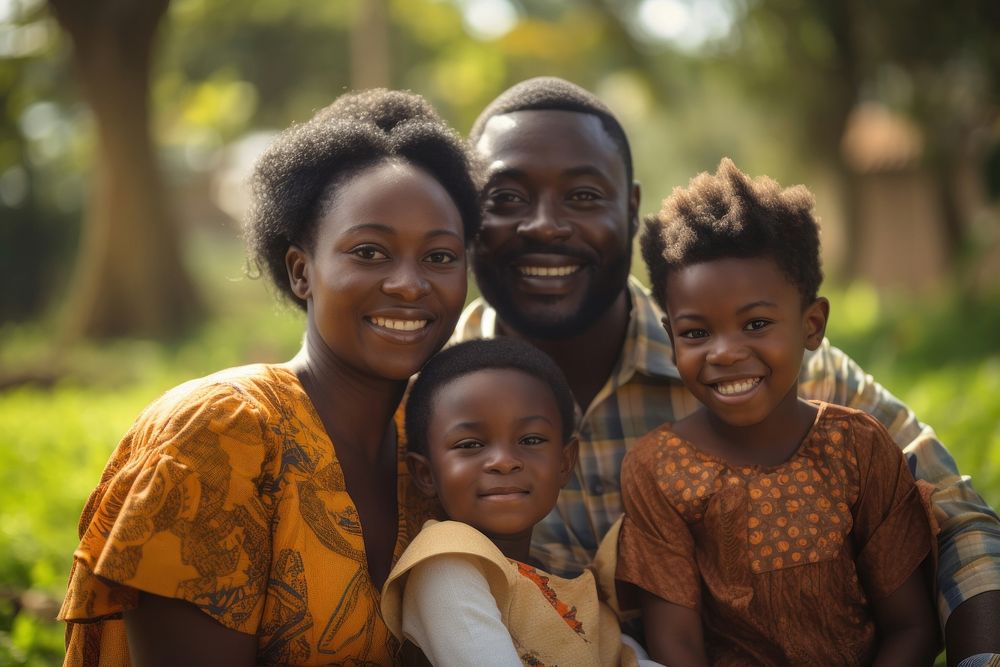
588 357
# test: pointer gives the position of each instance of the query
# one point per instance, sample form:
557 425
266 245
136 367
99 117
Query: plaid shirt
645 390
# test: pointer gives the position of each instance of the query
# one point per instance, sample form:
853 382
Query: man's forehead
546 133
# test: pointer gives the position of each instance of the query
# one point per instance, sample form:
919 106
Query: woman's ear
297 265
570 452
814 319
420 470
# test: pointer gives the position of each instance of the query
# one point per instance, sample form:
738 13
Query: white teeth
548 270
737 387
400 325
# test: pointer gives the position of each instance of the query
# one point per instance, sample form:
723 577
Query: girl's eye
468 444
441 257
694 333
532 440
369 252
756 325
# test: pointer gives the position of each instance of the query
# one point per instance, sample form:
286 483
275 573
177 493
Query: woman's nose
407 282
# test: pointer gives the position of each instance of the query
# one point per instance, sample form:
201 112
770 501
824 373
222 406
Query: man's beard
605 286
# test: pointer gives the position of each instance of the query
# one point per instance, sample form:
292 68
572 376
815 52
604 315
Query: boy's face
739 331
496 454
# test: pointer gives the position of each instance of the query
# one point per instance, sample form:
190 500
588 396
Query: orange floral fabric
783 562
227 493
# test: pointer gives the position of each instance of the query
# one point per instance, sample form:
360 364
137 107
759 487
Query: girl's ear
297 265
814 320
420 470
570 451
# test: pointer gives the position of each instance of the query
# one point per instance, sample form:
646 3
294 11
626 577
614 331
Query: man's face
556 243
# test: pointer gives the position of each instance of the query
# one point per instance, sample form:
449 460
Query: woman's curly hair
299 173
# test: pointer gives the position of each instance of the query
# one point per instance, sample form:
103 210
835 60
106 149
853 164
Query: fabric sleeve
655 548
891 528
178 512
969 541
451 614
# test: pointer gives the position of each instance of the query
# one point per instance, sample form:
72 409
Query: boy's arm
673 633
907 625
450 613
968 573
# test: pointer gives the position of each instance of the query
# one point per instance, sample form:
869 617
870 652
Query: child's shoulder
858 423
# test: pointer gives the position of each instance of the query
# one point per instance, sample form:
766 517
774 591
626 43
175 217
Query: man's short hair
549 93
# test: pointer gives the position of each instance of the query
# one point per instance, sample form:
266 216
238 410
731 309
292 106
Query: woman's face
385 280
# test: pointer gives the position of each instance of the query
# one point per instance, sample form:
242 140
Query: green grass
938 355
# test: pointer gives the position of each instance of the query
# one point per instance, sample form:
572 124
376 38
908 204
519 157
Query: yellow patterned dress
227 493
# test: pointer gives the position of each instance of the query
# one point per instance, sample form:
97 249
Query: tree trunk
370 46
130 278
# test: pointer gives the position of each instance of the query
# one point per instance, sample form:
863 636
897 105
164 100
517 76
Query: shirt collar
647 346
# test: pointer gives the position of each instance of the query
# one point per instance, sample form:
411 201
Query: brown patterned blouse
227 493
784 561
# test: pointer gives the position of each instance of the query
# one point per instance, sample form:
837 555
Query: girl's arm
165 631
451 614
907 625
673 633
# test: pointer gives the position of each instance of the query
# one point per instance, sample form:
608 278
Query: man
552 262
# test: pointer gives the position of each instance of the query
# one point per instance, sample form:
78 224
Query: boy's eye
467 444
367 251
694 333
532 440
756 325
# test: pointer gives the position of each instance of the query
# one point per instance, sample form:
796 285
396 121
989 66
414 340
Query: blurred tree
130 277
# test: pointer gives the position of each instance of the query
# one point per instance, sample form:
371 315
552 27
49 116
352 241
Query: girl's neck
769 442
356 409
515 547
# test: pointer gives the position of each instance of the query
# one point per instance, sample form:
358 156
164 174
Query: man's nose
544 223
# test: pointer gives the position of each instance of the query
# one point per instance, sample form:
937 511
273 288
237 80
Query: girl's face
739 331
385 280
496 456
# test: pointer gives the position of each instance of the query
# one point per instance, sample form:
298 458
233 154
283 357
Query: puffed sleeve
180 511
892 529
655 549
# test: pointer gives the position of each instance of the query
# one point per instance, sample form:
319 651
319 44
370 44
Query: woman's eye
368 252
756 325
441 257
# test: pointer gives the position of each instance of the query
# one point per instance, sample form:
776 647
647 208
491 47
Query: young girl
764 529
489 427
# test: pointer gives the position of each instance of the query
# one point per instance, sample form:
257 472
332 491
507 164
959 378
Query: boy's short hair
550 93
728 214
478 355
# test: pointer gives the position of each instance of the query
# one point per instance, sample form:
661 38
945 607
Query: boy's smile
496 453
739 331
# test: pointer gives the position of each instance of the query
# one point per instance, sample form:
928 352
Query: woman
253 515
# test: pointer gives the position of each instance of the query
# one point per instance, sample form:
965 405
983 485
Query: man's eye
503 197
694 333
756 325
368 252
585 195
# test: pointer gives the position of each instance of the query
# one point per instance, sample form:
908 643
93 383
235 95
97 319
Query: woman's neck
356 409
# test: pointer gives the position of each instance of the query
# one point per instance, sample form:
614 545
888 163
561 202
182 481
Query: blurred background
127 130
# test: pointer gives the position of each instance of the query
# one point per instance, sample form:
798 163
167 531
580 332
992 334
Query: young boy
489 428
764 529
